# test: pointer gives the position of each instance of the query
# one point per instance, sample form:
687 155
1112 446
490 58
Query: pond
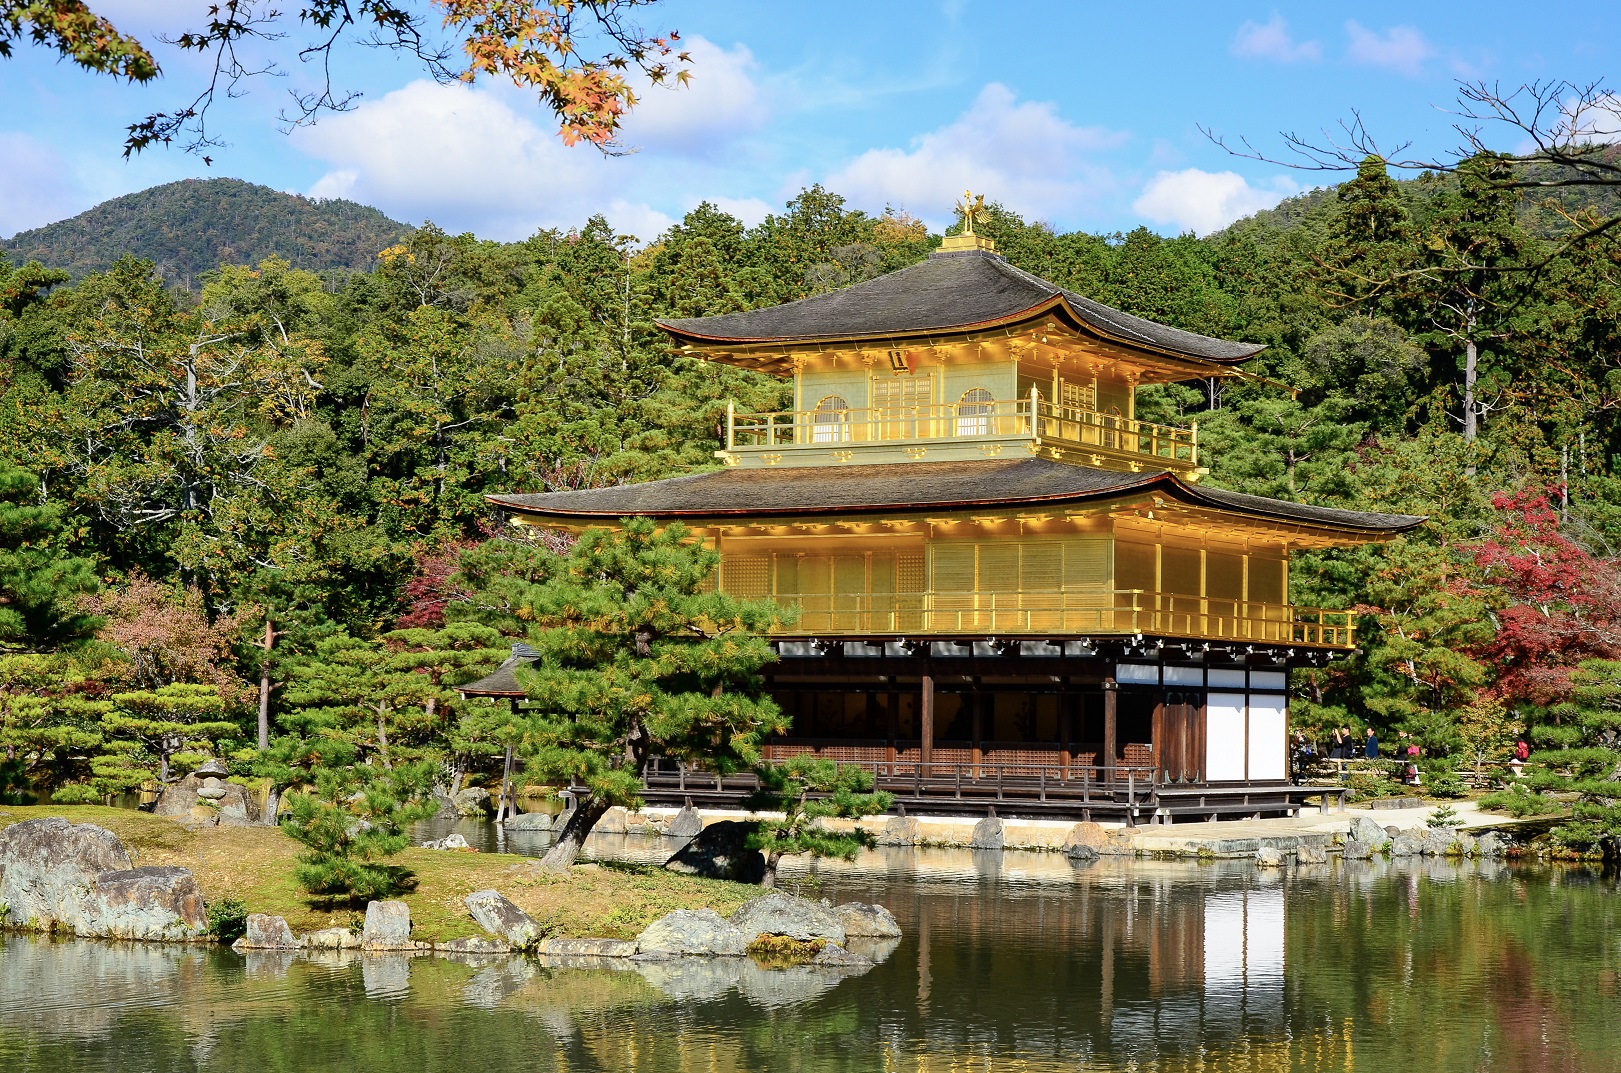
1015 961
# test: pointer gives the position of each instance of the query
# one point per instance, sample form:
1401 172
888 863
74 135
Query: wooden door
1179 737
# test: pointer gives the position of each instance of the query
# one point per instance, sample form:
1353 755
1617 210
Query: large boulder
1269 857
864 921
989 833
450 841
1490 846
388 926
45 862
898 831
1369 833
473 801
1357 851
691 933
1311 853
611 823
161 903
332 939
266 932
1087 841
720 851
496 914
1440 841
529 821
1407 844
684 824
777 913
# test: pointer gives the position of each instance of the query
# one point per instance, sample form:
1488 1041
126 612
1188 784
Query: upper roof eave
1058 303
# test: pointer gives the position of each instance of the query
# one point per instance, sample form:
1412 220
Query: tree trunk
506 787
769 880
573 835
264 689
382 740
1471 370
458 773
272 804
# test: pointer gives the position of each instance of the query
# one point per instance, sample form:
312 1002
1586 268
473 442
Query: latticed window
1073 396
831 421
974 412
902 405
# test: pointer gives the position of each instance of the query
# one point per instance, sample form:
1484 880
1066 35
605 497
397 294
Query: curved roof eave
1060 302
1237 503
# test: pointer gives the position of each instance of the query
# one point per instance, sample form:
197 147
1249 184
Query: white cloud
1589 122
1205 201
1271 41
722 102
36 185
488 160
1023 155
750 210
1400 48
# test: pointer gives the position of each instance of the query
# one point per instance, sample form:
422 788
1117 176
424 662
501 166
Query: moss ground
255 864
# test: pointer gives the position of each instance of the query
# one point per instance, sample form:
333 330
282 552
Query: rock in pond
898 831
266 932
865 921
474 944
1440 842
777 913
529 821
472 801
989 833
1490 845
159 903
612 822
44 862
720 851
1311 853
1269 857
1357 851
388 927
587 948
1369 833
332 939
1407 844
691 933
684 824
496 914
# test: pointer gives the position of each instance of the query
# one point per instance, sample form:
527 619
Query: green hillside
195 225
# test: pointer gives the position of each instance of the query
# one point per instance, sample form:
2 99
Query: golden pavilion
1009 588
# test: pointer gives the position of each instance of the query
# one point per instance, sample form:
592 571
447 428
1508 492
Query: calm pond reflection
1015 961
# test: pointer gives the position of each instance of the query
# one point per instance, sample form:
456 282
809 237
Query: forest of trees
311 452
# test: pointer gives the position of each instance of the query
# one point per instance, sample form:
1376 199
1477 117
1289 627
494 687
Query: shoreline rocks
496 914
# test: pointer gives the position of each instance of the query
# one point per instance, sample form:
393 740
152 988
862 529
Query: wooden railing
1102 611
1009 418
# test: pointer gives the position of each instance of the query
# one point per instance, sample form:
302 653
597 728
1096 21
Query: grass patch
256 865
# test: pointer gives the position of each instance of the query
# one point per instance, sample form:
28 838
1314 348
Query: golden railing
1122 611
974 421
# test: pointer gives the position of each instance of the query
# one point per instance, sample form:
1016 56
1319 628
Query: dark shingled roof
503 681
913 486
949 291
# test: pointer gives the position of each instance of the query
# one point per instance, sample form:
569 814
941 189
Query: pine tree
638 661
807 790
39 583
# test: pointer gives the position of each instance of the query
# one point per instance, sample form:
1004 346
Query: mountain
195 225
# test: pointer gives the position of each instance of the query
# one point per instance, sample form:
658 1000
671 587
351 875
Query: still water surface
1010 962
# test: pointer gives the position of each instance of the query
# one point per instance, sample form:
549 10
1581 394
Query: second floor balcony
832 434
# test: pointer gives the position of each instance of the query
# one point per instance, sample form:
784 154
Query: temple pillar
978 731
1111 713
925 722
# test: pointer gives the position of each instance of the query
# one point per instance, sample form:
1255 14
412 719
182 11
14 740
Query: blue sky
1085 115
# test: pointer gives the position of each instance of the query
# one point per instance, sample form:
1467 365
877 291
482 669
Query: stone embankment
855 935
78 879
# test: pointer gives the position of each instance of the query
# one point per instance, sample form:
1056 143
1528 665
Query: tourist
1371 745
1410 774
1304 752
1336 751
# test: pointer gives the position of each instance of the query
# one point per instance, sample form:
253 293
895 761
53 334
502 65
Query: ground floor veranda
1134 730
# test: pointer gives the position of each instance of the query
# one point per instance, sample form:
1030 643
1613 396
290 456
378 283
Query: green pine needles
640 658
808 790
356 818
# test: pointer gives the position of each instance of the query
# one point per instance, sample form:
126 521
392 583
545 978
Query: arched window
831 421
974 412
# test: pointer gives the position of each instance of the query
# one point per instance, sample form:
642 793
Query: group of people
1345 745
